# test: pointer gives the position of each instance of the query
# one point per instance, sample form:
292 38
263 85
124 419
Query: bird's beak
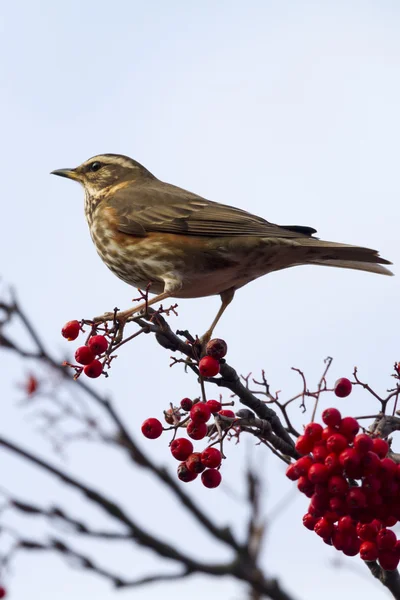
68 173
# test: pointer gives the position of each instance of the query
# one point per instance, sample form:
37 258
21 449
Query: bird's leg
226 299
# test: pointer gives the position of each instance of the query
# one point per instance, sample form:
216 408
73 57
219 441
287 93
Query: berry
196 430
3 592
227 413
194 463
342 387
313 431
386 539
292 473
304 444
70 331
380 447
337 485
211 458
200 412
388 468
152 428
349 427
303 464
349 459
184 474
370 463
98 344
346 525
323 527
331 417
181 448
320 451
216 348
211 478
172 415
305 486
388 559
208 366
318 473
214 406
328 431
368 531
309 521
356 498
338 505
186 404
336 443
93 369
333 464
368 551
351 546
84 355
363 443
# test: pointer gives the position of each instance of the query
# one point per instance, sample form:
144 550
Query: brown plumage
148 231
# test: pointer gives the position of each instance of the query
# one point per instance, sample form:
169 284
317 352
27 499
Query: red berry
98 344
328 431
181 448
342 387
93 369
3 592
320 451
208 366
338 505
70 331
371 484
305 486
370 463
193 463
367 531
309 521
214 406
388 467
186 404
196 430
184 474
211 458
380 447
386 539
152 428
200 412
323 527
216 348
304 444
347 525
331 417
336 443
337 485
349 459
356 498
349 427
338 539
368 551
333 464
390 521
363 443
292 473
351 546
84 355
303 464
227 413
211 478
318 473
388 559
313 431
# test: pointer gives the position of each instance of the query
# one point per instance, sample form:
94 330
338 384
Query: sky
288 109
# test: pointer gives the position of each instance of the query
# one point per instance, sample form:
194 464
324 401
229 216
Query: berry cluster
354 488
194 417
89 355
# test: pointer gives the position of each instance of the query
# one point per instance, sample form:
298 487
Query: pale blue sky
289 109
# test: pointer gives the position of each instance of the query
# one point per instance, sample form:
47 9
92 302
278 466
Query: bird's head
102 172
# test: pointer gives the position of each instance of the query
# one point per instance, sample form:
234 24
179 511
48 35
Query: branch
390 579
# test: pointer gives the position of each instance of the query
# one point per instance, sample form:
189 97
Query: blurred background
287 109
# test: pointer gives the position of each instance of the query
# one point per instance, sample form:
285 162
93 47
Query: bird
180 245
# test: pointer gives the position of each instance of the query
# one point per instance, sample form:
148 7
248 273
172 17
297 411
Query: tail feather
331 254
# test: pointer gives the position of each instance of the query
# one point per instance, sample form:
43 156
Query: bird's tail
330 254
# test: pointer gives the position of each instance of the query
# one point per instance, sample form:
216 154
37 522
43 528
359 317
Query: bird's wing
152 206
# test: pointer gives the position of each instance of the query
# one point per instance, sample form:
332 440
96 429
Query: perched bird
150 232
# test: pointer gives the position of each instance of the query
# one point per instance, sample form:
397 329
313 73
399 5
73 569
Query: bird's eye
95 166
